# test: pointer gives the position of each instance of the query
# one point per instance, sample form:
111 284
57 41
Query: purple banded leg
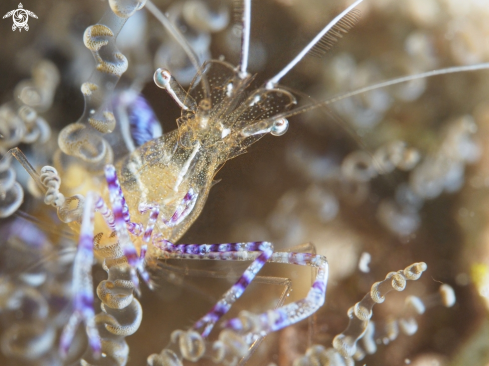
134 228
183 209
83 284
229 251
117 201
277 319
154 209
107 214
153 216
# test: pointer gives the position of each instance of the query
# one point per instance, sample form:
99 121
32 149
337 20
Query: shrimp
158 191
154 194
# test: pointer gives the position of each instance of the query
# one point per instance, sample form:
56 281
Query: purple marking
223 251
122 224
300 259
141 269
114 185
282 320
234 324
117 200
225 248
320 286
244 281
153 216
143 124
69 333
235 292
161 243
133 227
83 283
144 249
107 214
227 251
183 209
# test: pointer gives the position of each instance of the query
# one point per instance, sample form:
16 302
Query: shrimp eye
162 78
280 127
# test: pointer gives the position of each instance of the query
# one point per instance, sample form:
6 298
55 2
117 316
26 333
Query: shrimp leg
292 313
123 224
228 251
240 333
272 320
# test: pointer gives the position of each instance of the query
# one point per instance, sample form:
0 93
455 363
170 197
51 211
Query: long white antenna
175 33
245 38
181 41
274 81
267 123
404 79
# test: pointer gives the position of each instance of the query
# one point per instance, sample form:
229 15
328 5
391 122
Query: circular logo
20 17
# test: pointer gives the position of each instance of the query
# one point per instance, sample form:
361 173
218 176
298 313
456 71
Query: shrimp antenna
266 123
404 79
323 40
165 22
245 38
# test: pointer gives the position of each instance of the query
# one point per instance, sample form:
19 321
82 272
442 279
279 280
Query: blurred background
375 182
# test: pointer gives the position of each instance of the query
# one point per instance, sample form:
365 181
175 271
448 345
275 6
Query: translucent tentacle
120 317
345 348
22 124
80 139
11 192
121 312
29 326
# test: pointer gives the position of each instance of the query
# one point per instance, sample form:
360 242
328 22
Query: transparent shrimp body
217 124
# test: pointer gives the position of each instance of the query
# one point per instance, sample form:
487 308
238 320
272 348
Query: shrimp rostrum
150 197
